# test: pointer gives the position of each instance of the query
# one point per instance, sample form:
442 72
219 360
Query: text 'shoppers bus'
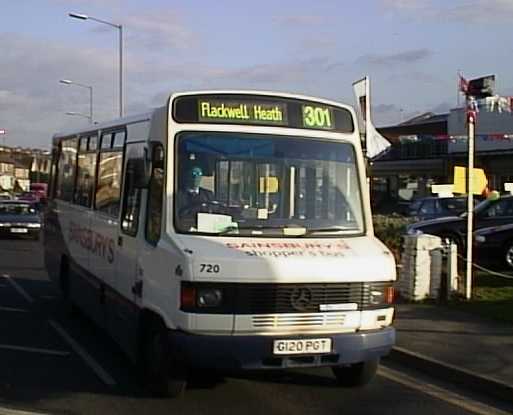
227 230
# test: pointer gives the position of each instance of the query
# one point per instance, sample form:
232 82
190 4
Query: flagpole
458 87
471 121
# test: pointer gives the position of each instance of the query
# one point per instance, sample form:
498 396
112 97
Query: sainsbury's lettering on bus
291 249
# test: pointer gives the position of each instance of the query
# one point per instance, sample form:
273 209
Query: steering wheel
208 206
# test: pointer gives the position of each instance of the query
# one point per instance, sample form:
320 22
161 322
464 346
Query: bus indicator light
187 297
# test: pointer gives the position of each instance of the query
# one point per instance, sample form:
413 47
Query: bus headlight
209 297
202 298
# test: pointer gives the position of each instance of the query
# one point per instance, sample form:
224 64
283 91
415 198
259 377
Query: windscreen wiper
329 229
231 229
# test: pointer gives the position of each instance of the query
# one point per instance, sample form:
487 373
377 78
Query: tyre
65 284
508 255
161 371
356 375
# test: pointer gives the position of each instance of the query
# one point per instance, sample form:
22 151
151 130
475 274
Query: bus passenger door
123 316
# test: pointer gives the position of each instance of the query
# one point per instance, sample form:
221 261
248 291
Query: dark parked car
18 218
495 245
489 212
437 207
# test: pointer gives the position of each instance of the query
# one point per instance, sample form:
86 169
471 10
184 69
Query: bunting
453 138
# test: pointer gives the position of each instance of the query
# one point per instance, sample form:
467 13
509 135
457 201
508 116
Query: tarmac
459 347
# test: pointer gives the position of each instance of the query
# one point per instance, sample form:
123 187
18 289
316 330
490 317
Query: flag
473 105
376 144
481 87
361 90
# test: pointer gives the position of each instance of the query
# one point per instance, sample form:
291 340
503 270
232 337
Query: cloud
416 77
406 57
443 107
282 74
33 103
159 29
390 114
299 20
463 11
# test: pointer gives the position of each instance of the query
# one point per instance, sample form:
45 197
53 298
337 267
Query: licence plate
303 346
19 230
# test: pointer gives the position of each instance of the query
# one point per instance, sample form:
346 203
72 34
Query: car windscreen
17 209
455 206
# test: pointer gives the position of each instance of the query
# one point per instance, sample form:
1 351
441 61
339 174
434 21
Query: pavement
459 347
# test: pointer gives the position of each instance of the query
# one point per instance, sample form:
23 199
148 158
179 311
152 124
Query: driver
193 197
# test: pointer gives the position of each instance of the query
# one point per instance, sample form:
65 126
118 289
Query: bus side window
131 194
155 196
86 173
108 186
66 169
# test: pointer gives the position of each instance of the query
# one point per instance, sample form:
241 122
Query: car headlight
34 225
480 238
413 231
5 224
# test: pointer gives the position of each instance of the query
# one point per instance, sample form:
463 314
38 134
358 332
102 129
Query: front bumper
256 352
5 232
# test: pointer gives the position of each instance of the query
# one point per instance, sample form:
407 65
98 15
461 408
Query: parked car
488 213
494 245
19 218
5 196
436 207
28 196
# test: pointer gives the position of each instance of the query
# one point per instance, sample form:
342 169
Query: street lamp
68 82
79 114
120 28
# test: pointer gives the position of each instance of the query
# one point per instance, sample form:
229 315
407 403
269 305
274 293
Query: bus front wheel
163 375
356 375
65 284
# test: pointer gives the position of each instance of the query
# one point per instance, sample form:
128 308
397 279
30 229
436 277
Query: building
6 172
19 166
426 149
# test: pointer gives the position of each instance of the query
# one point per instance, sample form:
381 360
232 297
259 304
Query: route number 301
317 117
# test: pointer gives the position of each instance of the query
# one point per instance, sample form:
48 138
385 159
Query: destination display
238 112
261 110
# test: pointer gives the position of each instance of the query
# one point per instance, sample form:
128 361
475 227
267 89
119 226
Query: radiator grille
325 320
294 298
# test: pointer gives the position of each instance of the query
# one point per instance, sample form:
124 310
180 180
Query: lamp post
120 28
68 82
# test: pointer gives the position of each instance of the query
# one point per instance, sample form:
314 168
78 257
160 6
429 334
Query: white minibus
226 230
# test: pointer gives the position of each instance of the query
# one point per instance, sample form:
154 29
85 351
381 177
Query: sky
412 51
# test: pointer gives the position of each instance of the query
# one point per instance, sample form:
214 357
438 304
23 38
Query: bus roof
131 119
147 116
262 93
